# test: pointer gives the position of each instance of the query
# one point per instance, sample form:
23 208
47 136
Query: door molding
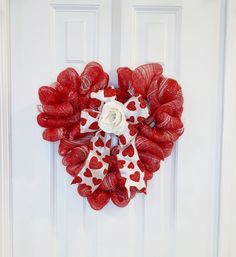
227 215
5 134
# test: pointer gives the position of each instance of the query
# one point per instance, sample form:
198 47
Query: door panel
179 215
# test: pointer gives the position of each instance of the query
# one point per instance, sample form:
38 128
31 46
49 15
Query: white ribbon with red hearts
111 116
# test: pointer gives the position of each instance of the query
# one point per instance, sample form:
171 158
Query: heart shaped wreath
112 139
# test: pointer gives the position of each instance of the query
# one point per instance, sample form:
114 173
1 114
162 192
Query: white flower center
112 118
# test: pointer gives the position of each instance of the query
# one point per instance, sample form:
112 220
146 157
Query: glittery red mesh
61 105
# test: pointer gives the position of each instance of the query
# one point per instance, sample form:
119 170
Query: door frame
227 210
6 246
227 206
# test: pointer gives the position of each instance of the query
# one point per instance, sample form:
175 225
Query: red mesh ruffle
61 105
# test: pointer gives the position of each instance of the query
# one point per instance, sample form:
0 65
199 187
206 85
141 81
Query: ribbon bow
107 117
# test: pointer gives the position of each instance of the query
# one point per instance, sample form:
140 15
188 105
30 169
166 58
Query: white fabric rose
112 118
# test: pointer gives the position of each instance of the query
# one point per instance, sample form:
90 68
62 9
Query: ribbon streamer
96 164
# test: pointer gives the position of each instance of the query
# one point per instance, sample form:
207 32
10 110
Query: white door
180 214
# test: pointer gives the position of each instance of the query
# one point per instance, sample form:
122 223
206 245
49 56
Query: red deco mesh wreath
112 140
